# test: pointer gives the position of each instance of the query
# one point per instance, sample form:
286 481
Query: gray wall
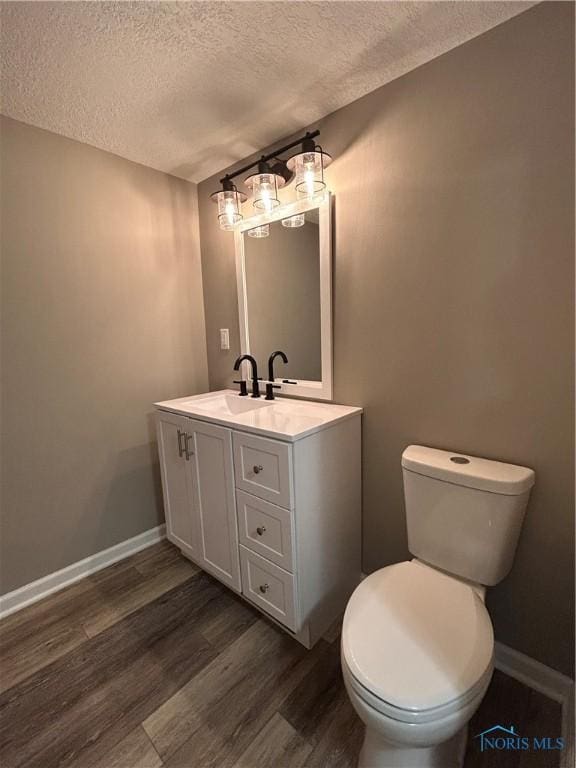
454 275
101 316
283 292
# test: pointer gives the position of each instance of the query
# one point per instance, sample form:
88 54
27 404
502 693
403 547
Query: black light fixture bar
270 156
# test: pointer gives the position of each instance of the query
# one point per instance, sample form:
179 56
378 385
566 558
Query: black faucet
271 359
254 364
270 386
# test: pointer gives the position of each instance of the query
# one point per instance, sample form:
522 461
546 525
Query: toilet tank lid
469 471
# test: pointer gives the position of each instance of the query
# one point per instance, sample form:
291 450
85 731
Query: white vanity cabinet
270 504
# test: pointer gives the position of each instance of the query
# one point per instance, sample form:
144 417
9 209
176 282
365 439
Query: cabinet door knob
264 588
261 530
257 468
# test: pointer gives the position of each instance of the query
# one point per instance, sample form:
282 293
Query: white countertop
283 418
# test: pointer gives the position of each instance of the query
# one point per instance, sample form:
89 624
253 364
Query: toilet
417 641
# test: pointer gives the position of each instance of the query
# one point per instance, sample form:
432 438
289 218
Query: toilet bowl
417 658
390 743
417 641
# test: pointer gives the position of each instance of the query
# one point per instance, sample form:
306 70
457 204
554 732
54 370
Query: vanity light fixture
307 166
229 200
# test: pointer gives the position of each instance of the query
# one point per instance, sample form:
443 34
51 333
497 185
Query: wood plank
38 635
35 651
104 689
135 751
226 687
212 721
543 718
509 702
505 703
233 620
340 740
71 604
76 601
154 559
219 743
568 759
122 604
312 703
332 634
277 744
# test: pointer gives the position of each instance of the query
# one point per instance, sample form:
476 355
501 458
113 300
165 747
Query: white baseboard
548 681
47 585
533 673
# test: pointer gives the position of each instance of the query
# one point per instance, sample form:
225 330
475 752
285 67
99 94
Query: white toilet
417 640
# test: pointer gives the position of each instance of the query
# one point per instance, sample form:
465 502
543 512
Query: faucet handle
270 387
243 388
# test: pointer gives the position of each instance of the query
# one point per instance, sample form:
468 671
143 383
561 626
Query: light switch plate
224 338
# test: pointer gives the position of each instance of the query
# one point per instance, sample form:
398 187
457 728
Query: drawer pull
257 468
261 530
264 588
180 449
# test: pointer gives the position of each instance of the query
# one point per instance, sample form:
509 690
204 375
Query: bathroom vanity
266 497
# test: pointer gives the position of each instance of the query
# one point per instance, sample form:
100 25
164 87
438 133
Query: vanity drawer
265 528
263 468
269 587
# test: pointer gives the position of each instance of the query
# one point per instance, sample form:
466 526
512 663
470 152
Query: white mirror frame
319 390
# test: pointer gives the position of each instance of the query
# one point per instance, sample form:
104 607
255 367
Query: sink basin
229 405
282 419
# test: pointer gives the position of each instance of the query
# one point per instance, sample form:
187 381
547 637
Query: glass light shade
265 191
294 221
309 175
308 168
262 231
229 201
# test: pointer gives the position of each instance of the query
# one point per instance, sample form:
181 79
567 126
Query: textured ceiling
191 87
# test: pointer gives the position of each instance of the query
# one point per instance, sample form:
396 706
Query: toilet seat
417 643
417 716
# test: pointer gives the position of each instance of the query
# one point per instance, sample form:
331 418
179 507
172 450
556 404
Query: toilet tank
464 514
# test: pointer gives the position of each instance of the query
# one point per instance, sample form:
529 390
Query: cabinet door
181 516
214 501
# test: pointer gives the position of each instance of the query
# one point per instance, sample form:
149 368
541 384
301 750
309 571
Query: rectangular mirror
285 296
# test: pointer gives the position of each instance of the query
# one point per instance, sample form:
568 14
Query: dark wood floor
152 663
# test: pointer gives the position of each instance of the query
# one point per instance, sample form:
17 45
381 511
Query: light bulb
230 212
266 197
309 178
